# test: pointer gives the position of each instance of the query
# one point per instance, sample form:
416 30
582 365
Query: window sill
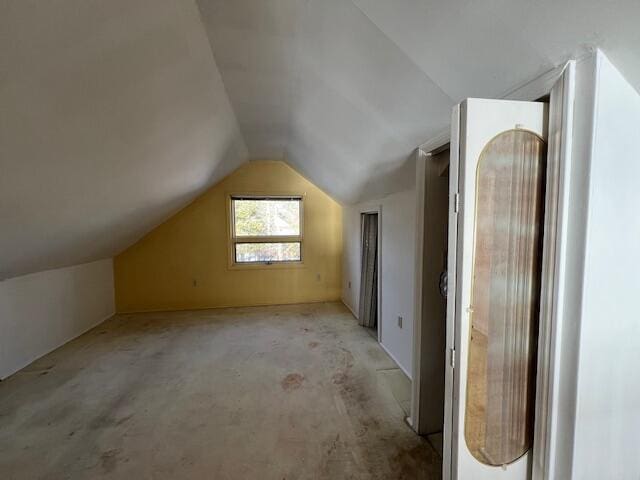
266 266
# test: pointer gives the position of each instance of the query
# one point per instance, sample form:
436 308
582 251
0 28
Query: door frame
363 211
422 158
559 85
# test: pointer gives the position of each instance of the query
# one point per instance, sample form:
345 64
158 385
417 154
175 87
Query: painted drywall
320 84
114 116
483 49
398 225
607 412
41 311
184 263
346 89
574 202
114 113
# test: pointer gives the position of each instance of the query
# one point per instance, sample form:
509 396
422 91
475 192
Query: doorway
431 309
506 231
368 304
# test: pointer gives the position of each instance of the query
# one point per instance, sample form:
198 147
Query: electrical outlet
399 321
349 285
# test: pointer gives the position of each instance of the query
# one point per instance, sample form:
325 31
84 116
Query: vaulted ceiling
113 116
116 113
344 90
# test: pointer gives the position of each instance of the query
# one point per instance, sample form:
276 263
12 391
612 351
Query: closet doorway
369 304
508 161
432 193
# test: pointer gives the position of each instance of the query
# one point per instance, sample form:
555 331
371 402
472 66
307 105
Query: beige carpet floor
287 392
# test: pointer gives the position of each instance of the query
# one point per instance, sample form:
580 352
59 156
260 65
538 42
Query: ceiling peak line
400 49
203 25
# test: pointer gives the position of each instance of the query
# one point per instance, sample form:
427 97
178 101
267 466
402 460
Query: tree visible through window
266 229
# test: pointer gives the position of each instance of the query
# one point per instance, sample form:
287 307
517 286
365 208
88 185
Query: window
266 229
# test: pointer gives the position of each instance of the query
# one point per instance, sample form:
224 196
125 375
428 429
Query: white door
498 156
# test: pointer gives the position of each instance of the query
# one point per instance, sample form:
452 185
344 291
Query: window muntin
505 297
266 229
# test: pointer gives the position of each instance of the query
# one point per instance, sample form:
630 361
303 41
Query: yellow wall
184 263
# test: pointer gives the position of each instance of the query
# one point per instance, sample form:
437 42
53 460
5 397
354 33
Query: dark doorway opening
368 305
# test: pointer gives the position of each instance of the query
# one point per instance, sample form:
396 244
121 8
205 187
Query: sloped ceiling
115 113
344 90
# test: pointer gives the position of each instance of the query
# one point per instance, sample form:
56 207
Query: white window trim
236 239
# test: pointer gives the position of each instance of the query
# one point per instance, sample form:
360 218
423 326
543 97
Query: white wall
607 410
41 311
398 212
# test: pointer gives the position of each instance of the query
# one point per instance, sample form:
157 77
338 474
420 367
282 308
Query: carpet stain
291 382
339 378
313 344
109 460
408 460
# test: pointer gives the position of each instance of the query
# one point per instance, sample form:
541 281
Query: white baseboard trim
349 308
409 422
395 360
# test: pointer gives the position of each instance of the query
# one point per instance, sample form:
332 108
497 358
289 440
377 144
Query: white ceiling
344 90
115 113
113 116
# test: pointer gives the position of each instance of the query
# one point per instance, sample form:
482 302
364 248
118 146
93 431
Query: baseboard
396 361
218 307
349 308
64 342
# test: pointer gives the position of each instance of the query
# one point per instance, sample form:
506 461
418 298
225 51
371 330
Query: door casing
559 86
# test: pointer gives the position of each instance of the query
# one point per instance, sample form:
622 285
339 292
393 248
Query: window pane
268 252
262 218
505 298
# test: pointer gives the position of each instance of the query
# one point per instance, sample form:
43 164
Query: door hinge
456 202
452 357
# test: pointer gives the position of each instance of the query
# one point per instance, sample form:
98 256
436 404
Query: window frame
235 239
